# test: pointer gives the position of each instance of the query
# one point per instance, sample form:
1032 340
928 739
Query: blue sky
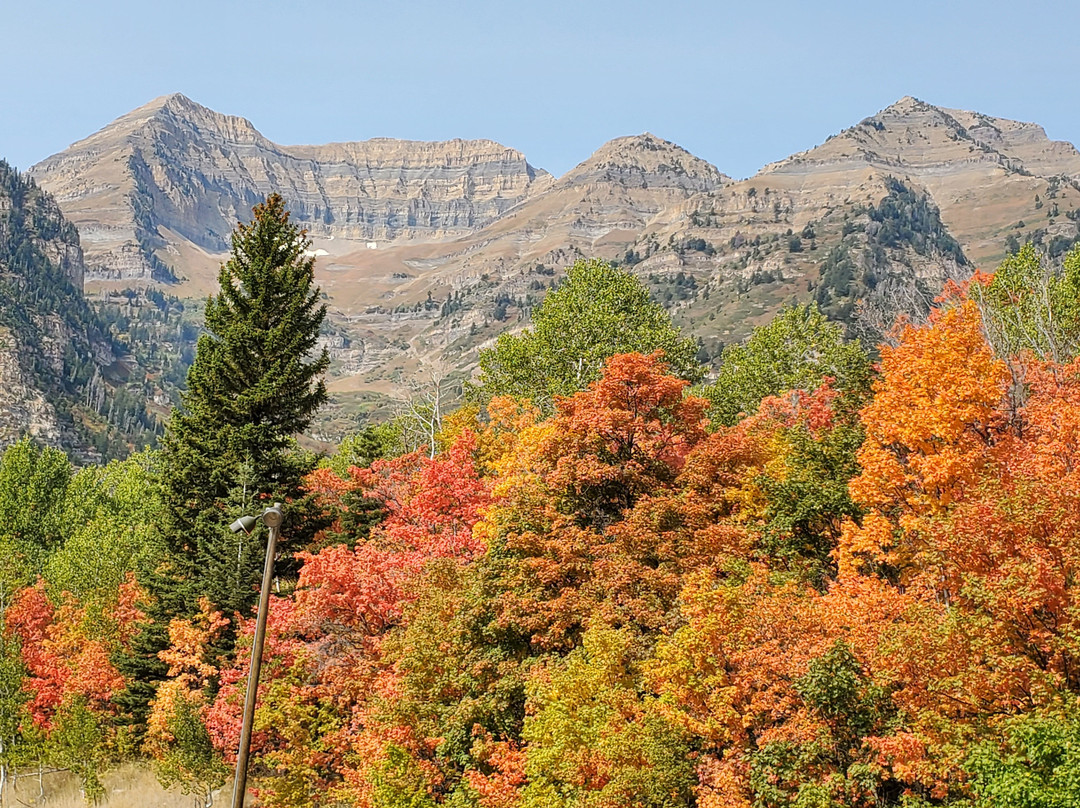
739 84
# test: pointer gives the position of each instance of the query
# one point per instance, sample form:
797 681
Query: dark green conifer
256 381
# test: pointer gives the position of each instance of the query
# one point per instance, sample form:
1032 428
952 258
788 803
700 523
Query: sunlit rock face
174 168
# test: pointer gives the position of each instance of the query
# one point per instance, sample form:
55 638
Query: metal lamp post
272 518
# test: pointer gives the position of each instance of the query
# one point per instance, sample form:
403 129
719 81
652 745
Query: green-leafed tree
1036 764
110 516
798 350
190 761
374 442
807 497
1032 305
78 744
596 312
33 482
850 707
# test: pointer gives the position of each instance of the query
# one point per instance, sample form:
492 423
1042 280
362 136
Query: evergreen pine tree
143 669
255 383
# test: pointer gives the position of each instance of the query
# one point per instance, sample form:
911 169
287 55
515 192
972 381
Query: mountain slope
990 177
59 371
427 251
870 223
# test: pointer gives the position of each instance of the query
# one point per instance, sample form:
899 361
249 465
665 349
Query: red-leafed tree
70 679
63 662
323 654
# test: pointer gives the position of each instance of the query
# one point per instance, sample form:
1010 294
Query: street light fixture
272 517
244 523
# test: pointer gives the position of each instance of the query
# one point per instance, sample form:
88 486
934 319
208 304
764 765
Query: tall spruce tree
256 381
254 384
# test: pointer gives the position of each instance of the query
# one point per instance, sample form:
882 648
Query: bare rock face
986 174
428 251
175 168
23 407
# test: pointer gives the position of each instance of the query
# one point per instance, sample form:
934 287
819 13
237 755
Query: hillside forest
839 574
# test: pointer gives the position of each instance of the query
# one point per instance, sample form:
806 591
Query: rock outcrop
175 170
24 410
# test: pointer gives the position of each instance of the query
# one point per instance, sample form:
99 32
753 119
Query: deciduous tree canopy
839 591
596 312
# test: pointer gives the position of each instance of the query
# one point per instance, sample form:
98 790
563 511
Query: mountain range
427 251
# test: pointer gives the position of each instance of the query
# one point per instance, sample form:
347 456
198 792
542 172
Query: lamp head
273 517
244 523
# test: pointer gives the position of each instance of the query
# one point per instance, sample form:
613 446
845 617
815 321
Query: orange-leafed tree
801 697
570 484
1007 554
930 431
177 737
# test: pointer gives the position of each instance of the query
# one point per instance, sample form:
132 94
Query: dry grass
128 786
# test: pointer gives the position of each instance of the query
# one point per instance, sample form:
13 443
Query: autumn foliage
621 604
63 663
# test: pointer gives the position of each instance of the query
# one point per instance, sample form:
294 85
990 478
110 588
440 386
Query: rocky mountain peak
955 156
907 105
174 173
179 102
647 160
176 105
170 101
911 129
177 111
146 121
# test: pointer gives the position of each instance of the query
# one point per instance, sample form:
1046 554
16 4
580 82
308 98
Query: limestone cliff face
607 199
629 180
175 168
